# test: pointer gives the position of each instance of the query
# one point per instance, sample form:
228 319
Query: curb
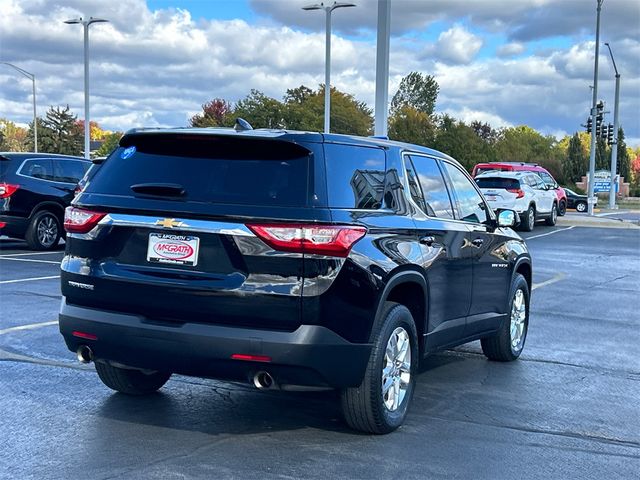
595 222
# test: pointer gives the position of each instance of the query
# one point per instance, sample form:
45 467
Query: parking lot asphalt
569 408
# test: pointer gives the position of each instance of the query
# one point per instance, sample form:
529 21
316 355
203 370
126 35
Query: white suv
524 192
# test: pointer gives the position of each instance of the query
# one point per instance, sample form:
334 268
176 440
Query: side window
414 187
546 178
471 206
355 176
434 189
41 168
539 182
529 180
69 171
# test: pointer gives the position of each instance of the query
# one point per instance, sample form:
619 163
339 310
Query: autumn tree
418 91
12 137
215 113
110 143
412 126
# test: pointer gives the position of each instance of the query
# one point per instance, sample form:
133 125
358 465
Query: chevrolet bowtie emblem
169 223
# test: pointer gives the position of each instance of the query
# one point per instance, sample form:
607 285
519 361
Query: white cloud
457 45
510 49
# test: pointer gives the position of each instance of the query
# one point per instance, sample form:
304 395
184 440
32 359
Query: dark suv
289 260
35 188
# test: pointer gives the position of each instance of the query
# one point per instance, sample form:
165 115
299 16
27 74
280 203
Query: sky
505 62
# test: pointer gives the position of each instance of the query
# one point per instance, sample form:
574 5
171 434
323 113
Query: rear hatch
500 192
173 237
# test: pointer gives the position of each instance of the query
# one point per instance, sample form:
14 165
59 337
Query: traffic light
603 132
589 125
599 118
610 135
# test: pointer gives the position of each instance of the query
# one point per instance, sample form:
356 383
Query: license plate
173 249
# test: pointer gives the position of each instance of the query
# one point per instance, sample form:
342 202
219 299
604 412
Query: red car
547 178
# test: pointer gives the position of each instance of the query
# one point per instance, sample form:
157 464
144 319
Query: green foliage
12 137
417 91
603 155
460 141
59 132
624 161
412 126
576 162
109 145
260 111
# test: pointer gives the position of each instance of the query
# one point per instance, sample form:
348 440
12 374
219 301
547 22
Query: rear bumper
14 226
309 356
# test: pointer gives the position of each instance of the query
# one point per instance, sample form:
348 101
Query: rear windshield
504 183
211 169
492 169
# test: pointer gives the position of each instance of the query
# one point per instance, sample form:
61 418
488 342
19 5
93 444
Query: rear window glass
41 168
504 183
355 176
210 169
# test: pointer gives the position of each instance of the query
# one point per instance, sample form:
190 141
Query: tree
59 132
576 163
260 111
110 144
624 163
12 137
95 132
418 91
485 131
602 155
412 126
459 140
215 113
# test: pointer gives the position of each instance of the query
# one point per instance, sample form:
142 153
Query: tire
562 209
581 207
44 231
366 407
129 381
505 346
529 220
551 221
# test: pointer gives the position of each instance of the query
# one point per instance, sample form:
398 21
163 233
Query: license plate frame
173 249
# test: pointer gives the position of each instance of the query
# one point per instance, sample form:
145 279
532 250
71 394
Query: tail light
7 189
77 220
519 192
331 240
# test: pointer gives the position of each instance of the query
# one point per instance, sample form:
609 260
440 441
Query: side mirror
506 218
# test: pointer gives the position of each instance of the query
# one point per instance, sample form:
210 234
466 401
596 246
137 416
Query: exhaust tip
84 354
263 381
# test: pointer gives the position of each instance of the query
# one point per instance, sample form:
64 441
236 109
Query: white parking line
29 254
33 279
31 326
29 260
550 233
555 279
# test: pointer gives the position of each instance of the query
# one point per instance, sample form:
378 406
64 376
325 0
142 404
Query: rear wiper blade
159 189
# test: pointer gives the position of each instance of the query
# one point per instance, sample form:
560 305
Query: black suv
35 188
289 260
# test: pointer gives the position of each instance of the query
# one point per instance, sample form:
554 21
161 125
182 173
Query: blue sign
128 152
599 187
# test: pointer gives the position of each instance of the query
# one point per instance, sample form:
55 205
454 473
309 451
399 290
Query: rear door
446 256
544 197
174 244
491 272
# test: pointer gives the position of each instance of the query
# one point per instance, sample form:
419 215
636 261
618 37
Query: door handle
477 242
428 240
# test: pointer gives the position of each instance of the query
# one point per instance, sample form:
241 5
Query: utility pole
382 68
87 121
614 147
592 154
31 77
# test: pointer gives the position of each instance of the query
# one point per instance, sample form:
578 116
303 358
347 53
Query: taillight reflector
251 358
330 240
88 336
77 220
519 193
7 189
3 224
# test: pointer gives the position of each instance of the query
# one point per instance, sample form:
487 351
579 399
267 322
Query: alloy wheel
47 231
396 369
518 321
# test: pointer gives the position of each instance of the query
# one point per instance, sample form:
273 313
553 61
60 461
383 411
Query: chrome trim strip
186 225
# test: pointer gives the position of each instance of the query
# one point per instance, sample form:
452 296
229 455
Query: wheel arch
409 288
53 207
523 267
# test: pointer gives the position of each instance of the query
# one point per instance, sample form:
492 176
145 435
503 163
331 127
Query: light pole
614 147
592 154
327 61
87 126
32 77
